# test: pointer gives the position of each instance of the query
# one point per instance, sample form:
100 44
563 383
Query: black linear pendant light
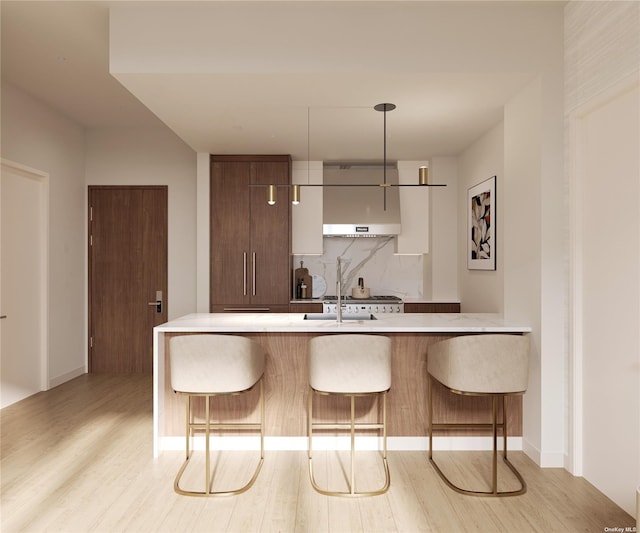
423 172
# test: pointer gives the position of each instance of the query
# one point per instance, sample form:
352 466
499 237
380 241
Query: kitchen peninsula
285 336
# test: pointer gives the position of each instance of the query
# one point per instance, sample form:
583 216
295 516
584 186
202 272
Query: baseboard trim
341 443
544 459
68 376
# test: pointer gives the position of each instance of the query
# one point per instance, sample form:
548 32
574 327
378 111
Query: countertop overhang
384 323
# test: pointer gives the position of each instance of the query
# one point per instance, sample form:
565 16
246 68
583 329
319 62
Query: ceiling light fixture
423 175
295 194
271 195
423 171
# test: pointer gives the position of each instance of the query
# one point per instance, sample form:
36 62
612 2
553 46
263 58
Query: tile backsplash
371 258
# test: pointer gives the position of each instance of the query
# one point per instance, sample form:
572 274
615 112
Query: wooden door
270 236
127 267
229 234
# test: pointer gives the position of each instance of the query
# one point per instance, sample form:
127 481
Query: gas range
373 304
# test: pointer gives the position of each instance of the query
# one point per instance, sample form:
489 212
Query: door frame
574 461
43 315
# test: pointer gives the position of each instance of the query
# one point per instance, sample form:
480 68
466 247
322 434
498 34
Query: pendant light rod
384 108
384 185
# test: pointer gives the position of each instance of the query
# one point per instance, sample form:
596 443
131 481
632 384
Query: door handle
3 316
158 302
254 273
244 273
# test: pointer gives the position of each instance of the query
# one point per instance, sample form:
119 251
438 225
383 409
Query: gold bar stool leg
187 432
504 426
494 459
494 408
384 426
430 418
463 355
353 444
261 420
310 425
365 370
215 365
351 427
207 433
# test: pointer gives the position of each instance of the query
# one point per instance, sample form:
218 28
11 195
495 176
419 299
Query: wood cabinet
250 240
311 307
431 307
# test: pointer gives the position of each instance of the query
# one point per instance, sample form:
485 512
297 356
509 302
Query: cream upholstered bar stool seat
212 365
496 366
349 366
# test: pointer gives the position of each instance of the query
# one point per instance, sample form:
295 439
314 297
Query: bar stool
349 366
495 366
213 365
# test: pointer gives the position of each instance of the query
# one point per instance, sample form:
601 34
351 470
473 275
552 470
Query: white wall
529 283
481 291
602 94
35 135
441 263
155 156
522 210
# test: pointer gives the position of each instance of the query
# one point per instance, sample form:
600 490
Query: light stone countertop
295 322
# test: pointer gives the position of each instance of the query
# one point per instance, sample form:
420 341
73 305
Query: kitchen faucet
339 289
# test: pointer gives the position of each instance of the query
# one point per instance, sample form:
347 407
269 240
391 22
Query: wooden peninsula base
286 381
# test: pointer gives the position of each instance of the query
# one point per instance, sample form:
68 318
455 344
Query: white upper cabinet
414 210
306 217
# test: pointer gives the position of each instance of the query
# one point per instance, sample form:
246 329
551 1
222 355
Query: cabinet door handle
244 273
250 309
254 272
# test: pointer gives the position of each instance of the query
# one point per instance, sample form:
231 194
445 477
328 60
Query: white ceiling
59 53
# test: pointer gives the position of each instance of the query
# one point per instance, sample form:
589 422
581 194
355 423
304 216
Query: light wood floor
79 458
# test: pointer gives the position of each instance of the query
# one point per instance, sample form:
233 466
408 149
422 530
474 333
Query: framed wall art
481 226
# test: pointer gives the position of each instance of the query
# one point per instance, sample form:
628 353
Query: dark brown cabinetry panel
431 307
315 307
250 239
